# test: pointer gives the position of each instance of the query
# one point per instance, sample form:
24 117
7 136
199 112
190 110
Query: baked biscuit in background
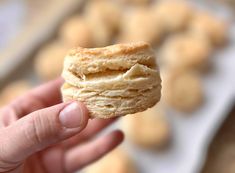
185 51
135 2
117 161
104 19
182 90
107 11
101 34
76 32
174 15
149 129
141 25
112 81
206 25
49 60
13 90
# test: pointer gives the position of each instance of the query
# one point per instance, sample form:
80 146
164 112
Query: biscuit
174 15
112 81
141 25
210 27
103 18
13 90
76 32
182 90
148 129
49 60
136 2
116 162
185 51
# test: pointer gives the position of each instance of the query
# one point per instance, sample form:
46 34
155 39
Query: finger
49 93
41 129
50 156
81 156
38 98
93 128
43 96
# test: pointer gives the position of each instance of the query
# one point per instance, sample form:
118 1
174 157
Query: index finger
43 96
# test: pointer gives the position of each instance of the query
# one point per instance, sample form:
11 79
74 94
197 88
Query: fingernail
72 115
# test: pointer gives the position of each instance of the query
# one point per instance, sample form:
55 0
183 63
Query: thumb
41 129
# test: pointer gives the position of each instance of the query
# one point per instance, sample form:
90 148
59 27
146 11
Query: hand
39 134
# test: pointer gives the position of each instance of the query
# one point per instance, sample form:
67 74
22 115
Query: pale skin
39 134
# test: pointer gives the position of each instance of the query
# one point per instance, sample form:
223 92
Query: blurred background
191 130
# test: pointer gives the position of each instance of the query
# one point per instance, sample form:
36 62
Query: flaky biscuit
140 24
115 162
112 81
76 32
106 11
174 15
182 90
185 51
49 60
148 129
206 25
136 2
103 18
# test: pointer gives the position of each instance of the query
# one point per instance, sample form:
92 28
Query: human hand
40 134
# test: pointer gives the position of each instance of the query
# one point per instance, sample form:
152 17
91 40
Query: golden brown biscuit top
83 61
111 50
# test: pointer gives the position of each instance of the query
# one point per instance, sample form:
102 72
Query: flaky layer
135 77
104 106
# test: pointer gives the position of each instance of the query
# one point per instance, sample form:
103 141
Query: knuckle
42 128
33 133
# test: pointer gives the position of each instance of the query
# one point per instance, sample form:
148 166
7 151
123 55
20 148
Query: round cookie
210 27
182 90
185 51
49 60
116 162
76 32
148 129
141 25
13 90
112 81
103 18
174 15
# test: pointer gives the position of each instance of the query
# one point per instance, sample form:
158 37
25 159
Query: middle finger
93 128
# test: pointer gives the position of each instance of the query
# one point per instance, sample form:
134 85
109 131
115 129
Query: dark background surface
221 153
